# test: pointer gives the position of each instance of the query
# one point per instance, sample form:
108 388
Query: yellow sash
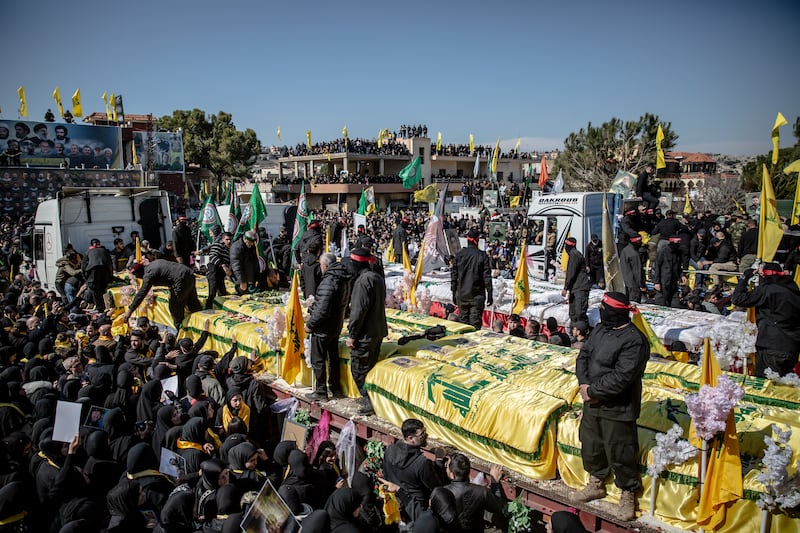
244 414
184 445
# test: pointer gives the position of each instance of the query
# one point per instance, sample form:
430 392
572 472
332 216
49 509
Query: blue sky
718 71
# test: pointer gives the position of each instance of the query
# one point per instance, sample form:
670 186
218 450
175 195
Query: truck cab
78 215
573 214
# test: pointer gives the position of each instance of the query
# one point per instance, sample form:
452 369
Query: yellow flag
797 275
293 340
514 201
406 261
522 292
429 194
779 121
113 107
417 274
308 139
656 346
564 259
439 142
380 139
795 167
495 156
23 101
344 132
57 98
516 146
279 134
471 143
739 207
390 252
660 163
724 470
108 108
770 231
369 197
796 205
687 206
77 110
328 238
134 158
138 252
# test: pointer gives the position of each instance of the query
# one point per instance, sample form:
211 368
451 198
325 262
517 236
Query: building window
422 154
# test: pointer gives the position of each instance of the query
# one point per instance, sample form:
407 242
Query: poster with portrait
665 201
53 144
269 514
159 150
490 199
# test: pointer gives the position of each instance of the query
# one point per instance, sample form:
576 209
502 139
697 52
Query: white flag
558 185
477 166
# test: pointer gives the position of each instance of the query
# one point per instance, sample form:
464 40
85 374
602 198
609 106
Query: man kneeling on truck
162 273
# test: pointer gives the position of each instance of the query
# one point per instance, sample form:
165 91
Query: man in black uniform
325 325
182 239
667 272
609 369
400 240
219 266
576 283
777 303
363 240
470 280
644 187
630 263
594 261
97 271
312 234
177 277
244 261
367 326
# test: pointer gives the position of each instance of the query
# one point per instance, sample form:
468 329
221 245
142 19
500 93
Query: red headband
616 304
362 258
773 273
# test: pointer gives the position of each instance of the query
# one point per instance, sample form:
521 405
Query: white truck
572 214
78 215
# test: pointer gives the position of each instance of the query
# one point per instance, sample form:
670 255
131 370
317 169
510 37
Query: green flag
301 220
234 214
362 203
412 174
253 213
208 217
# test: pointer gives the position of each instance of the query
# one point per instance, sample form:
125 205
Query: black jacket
697 248
630 263
310 275
333 293
471 275
777 303
669 227
576 278
612 362
310 236
368 307
406 466
399 242
244 262
162 273
748 242
473 500
668 267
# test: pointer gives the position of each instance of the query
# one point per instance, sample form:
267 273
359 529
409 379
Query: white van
572 214
78 215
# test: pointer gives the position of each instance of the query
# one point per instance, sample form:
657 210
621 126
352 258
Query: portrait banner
53 144
159 150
